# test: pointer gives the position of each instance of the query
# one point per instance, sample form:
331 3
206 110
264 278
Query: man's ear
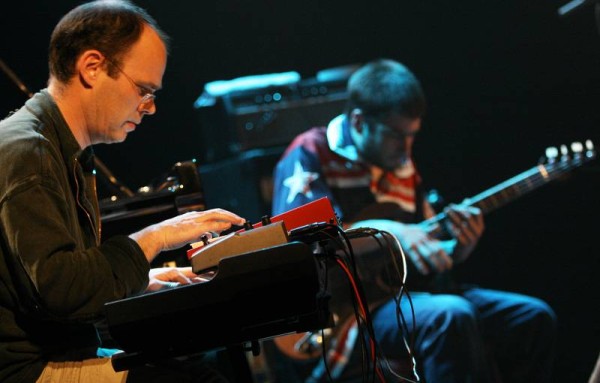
88 66
357 120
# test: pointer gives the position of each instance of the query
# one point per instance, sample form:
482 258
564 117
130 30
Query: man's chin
400 163
115 139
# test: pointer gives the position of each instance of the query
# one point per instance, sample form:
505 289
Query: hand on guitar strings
465 224
426 252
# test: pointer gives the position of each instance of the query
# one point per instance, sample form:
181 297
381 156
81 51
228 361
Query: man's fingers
418 261
221 215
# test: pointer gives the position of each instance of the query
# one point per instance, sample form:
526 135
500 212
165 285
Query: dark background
504 80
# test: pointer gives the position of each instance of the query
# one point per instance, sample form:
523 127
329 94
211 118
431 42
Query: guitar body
287 345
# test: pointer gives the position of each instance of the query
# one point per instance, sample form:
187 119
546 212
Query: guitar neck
511 189
515 187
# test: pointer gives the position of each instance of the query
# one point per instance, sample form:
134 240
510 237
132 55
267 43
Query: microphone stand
14 78
111 178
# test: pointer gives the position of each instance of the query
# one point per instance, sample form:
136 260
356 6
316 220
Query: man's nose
148 107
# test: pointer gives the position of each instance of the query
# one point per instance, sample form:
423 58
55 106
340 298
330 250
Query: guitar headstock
564 158
576 152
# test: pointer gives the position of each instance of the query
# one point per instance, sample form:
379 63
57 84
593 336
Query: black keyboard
252 296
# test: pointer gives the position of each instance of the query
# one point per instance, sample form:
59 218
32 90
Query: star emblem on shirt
299 182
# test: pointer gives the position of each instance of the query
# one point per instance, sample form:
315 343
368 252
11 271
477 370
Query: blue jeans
473 336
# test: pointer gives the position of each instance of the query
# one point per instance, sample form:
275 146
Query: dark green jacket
55 274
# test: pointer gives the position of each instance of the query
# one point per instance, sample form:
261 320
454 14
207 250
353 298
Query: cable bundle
333 245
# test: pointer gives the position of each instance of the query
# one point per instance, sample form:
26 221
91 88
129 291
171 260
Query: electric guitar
555 163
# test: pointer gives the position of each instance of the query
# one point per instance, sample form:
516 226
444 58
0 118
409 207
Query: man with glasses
106 60
363 162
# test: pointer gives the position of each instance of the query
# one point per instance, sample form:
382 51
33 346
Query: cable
338 247
333 237
391 240
375 350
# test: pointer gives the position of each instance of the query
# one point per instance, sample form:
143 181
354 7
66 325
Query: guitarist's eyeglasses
389 132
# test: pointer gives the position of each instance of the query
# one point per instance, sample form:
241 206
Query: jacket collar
43 106
339 140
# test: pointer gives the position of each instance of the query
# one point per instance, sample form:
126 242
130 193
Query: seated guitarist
461 334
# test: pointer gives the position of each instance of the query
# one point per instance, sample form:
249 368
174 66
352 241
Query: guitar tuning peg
551 154
589 146
564 151
577 148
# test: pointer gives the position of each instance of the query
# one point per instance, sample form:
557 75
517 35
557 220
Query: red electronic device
271 231
316 211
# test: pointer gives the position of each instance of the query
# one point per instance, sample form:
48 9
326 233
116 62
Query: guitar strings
522 183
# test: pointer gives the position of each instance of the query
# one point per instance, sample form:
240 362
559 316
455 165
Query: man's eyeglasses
146 93
387 131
